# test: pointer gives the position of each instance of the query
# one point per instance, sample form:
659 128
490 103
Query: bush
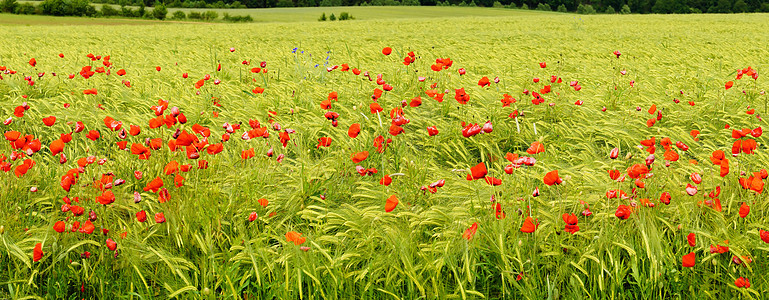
67 8
497 4
178 15
109 11
160 11
410 3
585 9
332 17
285 3
511 6
237 19
331 3
345 16
625 10
195 15
9 6
524 6
562 8
210 15
610 10
544 7
322 17
26 8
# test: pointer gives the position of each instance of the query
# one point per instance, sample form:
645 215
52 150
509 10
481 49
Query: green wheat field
269 192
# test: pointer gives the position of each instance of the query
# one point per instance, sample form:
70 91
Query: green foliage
237 19
178 15
544 7
67 8
210 15
610 10
497 4
322 17
345 16
625 10
524 6
410 2
285 3
159 11
26 9
332 17
195 15
585 9
8 6
740 7
562 8
109 11
331 3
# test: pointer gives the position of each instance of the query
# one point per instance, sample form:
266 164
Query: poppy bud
487 128
461 71
184 75
614 153
137 197
280 158
650 159
92 215
62 158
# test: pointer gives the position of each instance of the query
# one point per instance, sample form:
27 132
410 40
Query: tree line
579 6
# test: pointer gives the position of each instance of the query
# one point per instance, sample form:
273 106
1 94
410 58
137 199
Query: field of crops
534 156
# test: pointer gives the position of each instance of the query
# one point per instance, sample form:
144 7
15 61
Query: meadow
267 193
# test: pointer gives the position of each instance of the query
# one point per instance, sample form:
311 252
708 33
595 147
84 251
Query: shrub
160 11
610 10
26 8
109 11
544 7
332 17
331 3
178 15
344 16
585 9
497 4
237 19
210 15
195 15
625 10
524 6
511 6
562 8
322 17
285 3
67 8
410 3
9 6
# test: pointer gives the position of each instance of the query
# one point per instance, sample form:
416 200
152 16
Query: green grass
208 248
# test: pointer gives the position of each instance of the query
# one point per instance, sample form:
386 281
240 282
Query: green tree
8 6
625 10
740 7
332 17
159 11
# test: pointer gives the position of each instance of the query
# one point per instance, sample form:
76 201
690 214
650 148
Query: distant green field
265 196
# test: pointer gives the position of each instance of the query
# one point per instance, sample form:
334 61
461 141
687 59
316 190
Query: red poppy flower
37 253
744 210
535 148
477 172
391 203
160 218
552 178
49 121
295 237
470 232
729 84
742 282
386 180
689 260
461 96
154 185
528 225
387 50
571 223
692 239
623 212
324 142
59 226
359 156
764 235
484 82
141 216
432 131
